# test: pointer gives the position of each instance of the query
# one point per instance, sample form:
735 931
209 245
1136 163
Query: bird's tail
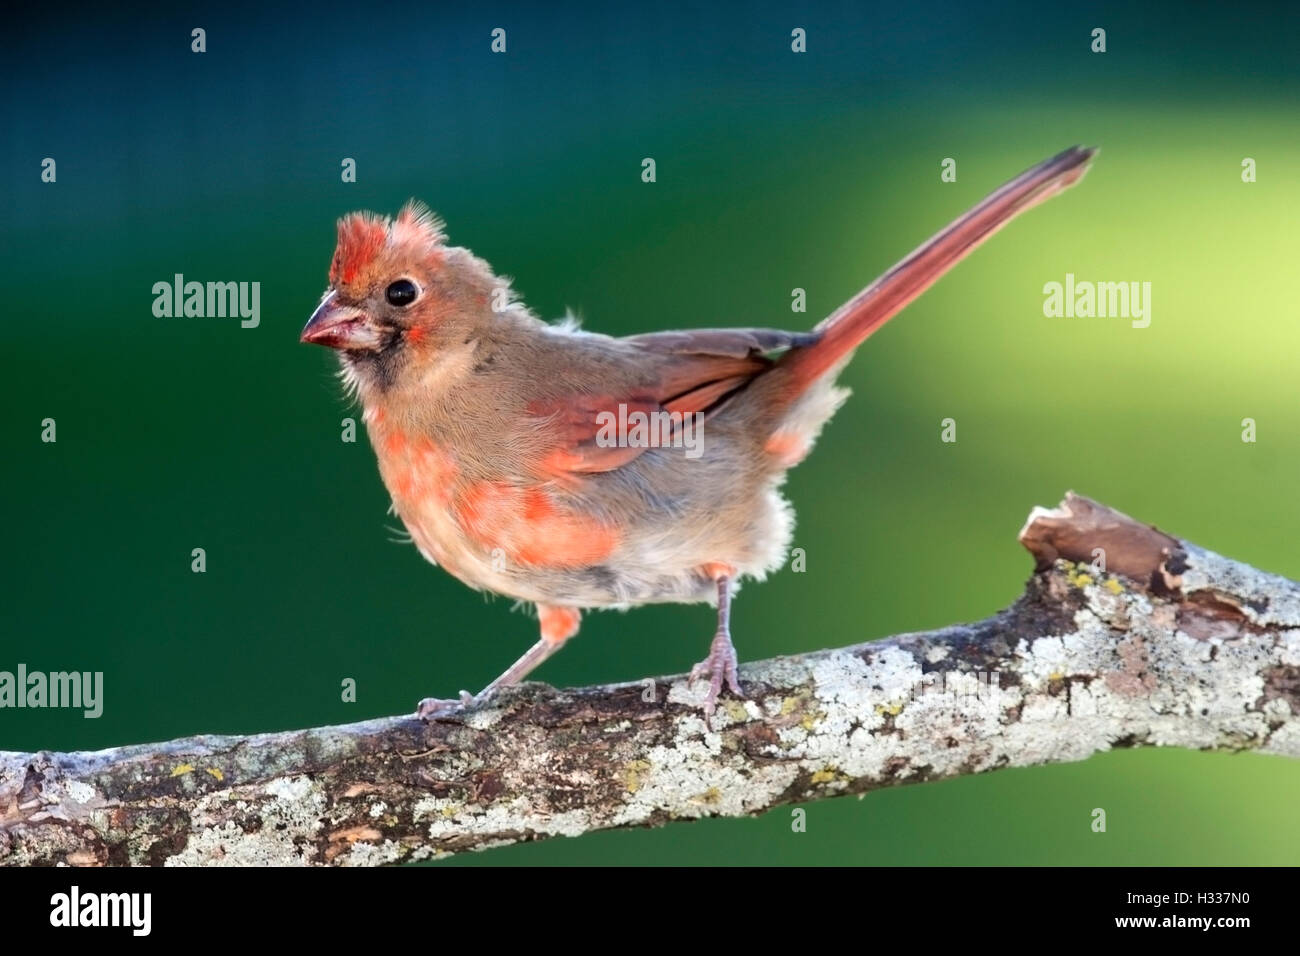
844 330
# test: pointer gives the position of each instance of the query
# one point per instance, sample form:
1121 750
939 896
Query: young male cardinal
492 428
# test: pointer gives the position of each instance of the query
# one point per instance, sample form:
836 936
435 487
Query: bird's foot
720 667
432 708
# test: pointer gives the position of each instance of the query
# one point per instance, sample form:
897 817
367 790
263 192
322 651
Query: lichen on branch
1125 636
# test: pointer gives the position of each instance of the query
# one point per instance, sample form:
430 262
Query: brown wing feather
737 343
698 370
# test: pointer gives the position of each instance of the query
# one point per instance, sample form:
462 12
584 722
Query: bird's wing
737 343
696 371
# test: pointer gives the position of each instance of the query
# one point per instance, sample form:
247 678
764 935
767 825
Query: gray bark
1170 646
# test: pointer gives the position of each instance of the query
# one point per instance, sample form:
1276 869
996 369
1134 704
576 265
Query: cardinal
498 440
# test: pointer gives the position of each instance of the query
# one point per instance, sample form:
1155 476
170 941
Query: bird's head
399 298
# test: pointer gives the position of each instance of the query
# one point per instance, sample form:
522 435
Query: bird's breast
489 533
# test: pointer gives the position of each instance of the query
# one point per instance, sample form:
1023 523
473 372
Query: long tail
848 326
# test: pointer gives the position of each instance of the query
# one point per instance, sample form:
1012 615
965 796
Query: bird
573 470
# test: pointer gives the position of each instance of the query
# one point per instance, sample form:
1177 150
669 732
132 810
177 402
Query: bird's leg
720 665
558 625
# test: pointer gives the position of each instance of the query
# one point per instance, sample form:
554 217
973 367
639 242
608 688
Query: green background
775 171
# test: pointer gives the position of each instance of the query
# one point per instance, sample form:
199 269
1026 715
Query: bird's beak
339 326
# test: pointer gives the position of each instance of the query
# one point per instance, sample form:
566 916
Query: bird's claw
720 667
432 708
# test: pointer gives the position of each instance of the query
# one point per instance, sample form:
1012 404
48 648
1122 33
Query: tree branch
1173 646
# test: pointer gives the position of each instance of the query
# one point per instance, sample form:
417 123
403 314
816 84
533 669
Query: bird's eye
400 293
